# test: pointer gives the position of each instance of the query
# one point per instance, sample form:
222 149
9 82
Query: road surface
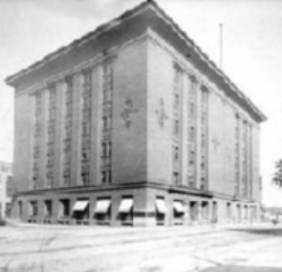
41 248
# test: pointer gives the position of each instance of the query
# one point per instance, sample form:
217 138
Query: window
192 134
203 164
239 212
205 210
176 101
228 208
202 186
203 118
103 211
85 177
176 180
48 208
176 153
33 208
104 176
109 176
178 212
192 110
81 209
191 180
203 142
126 210
176 127
214 212
193 210
104 149
105 122
65 207
160 210
20 208
191 157
109 149
85 128
85 155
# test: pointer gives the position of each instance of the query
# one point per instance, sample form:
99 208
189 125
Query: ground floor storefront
132 205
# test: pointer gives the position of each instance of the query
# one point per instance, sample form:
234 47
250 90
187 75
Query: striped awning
160 206
102 206
178 206
80 205
126 205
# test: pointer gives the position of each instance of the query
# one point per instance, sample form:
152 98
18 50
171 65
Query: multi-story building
133 124
5 188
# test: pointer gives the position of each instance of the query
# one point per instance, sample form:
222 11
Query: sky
252 52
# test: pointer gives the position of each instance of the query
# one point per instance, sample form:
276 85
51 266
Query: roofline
210 63
78 42
115 22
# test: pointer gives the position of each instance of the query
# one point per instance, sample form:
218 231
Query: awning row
103 205
125 206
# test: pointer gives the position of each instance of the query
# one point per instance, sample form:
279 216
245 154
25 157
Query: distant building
5 182
133 124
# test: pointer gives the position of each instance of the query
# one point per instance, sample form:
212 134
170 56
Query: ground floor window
178 212
33 210
254 212
126 210
103 211
193 211
238 212
160 210
47 208
20 208
81 209
214 218
246 212
205 210
64 207
228 211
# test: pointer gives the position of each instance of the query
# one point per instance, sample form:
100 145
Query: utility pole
220 46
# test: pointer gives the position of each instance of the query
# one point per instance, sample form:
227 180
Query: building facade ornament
126 114
161 113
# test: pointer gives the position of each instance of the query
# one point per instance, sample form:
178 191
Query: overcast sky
252 52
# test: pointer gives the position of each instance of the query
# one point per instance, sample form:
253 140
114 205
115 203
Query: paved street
88 249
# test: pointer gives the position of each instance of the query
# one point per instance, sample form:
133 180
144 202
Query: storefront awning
160 205
80 205
102 206
126 205
178 206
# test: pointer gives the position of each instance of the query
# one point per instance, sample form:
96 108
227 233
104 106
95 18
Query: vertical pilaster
59 135
62 88
76 131
192 131
44 140
32 140
237 155
250 162
51 121
177 125
198 136
68 131
95 125
203 138
184 133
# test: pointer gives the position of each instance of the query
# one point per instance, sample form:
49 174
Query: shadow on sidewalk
239 268
275 231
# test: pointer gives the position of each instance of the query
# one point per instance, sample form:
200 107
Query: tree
277 179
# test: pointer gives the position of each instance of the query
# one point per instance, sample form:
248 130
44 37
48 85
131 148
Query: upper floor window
176 153
176 127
